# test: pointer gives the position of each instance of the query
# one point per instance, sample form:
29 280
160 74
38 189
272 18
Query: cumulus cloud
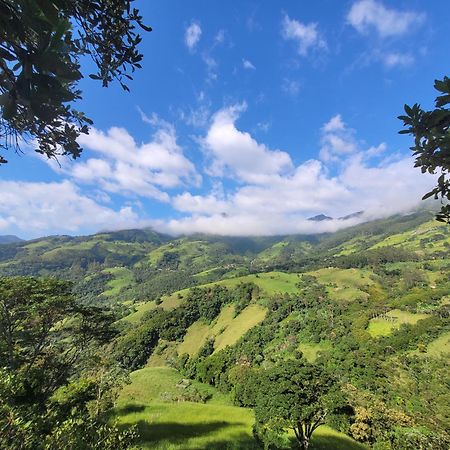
237 154
269 195
337 140
192 35
368 15
306 36
279 201
34 209
123 166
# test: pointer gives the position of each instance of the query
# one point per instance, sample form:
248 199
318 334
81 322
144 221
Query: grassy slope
269 282
225 329
178 426
383 327
432 230
122 277
440 346
344 284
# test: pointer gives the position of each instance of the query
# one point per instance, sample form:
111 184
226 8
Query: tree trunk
302 437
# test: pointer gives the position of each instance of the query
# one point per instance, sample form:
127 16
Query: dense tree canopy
431 131
55 380
294 395
41 44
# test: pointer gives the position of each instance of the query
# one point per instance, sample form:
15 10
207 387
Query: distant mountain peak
320 218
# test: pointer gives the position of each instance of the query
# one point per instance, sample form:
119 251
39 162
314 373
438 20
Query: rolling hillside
369 303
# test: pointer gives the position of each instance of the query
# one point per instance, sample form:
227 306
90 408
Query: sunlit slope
154 402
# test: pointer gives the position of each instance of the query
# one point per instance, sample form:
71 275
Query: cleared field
310 351
344 284
395 318
225 329
269 282
248 318
186 425
432 232
122 277
168 303
440 346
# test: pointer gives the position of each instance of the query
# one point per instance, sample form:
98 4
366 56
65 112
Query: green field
434 233
395 318
344 284
311 351
185 425
270 283
440 346
225 329
122 277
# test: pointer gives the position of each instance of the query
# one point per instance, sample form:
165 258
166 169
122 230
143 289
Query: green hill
369 304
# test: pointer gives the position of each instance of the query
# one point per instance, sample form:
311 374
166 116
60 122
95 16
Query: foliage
296 396
54 383
41 44
431 131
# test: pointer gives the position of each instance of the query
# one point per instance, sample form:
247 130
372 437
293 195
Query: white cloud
236 154
279 201
126 167
306 36
367 15
396 59
271 196
334 124
246 64
34 209
337 140
291 87
219 38
192 35
211 67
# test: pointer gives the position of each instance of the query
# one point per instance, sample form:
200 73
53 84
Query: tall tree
431 131
294 396
41 45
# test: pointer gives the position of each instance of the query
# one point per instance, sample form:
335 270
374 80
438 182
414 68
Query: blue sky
247 118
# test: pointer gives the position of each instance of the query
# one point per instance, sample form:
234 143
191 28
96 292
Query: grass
344 284
168 302
270 283
383 327
427 232
186 425
226 329
310 351
122 277
440 346
251 316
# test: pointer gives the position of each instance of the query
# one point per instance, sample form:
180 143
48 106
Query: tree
297 396
55 380
41 45
431 131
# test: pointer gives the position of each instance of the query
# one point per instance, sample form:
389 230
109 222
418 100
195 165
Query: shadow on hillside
128 409
335 443
240 442
176 433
